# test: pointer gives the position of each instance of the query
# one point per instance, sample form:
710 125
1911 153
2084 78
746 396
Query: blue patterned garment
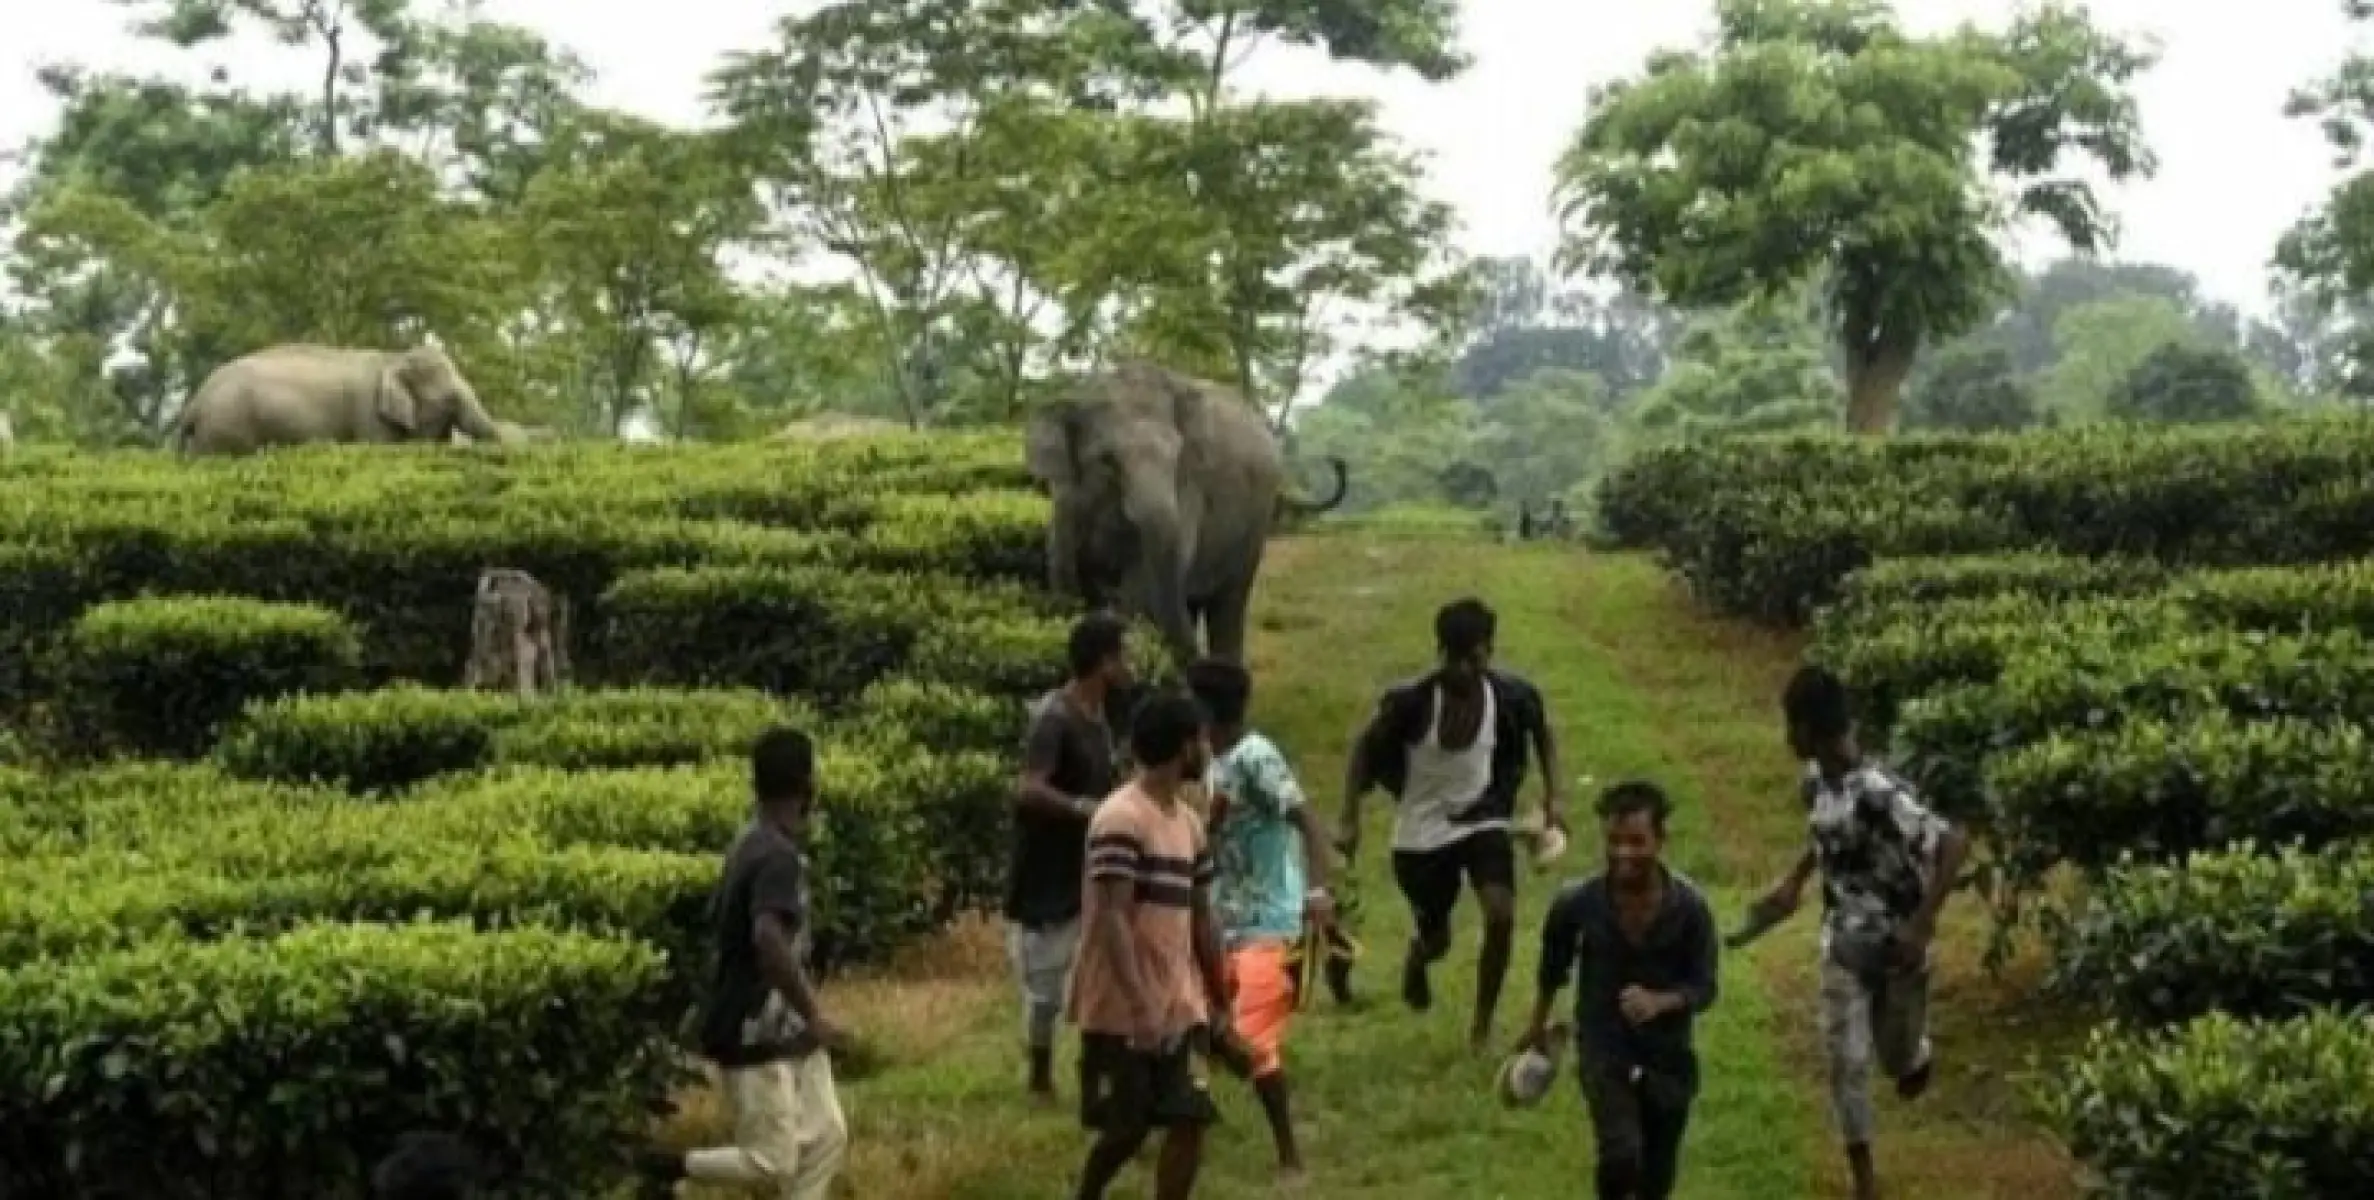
1260 889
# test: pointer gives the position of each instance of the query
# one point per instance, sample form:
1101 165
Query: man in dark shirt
1640 941
1451 748
761 1023
1069 764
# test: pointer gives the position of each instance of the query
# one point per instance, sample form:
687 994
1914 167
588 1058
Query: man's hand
1318 907
1641 1006
828 1035
1553 812
1347 839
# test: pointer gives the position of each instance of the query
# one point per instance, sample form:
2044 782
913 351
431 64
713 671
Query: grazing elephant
295 393
1164 490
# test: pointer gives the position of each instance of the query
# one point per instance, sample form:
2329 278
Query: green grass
1390 1102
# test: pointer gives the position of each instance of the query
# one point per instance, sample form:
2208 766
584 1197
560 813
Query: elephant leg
1226 619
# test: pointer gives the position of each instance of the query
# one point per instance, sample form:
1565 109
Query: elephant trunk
1154 511
473 419
1065 524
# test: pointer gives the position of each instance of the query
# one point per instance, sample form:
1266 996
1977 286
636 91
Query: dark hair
1464 627
782 764
1817 700
1162 727
1636 796
1222 687
1095 638
427 1165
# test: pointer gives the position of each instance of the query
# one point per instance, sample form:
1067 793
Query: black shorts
1430 878
1122 1089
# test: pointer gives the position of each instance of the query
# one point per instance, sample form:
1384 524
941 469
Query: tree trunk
519 635
1874 383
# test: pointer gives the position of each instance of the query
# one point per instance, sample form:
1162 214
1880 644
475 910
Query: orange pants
1264 1001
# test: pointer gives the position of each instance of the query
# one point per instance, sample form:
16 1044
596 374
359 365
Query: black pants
1430 879
1124 1091
1638 1124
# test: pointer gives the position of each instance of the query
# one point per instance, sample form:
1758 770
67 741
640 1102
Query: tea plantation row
2147 657
279 890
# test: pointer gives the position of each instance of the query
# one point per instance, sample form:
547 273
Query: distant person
1150 979
1451 746
428 1165
1887 864
1271 894
1639 939
1069 763
762 1023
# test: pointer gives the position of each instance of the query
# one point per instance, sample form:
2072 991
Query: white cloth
789 1133
1442 782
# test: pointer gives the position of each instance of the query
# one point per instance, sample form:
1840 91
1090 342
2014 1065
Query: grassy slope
1390 1103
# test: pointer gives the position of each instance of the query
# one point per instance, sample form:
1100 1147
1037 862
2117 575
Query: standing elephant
294 393
1164 490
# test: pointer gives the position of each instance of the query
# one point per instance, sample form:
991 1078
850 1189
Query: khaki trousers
789 1134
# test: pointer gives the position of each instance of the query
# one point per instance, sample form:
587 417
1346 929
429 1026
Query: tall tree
2324 265
1817 140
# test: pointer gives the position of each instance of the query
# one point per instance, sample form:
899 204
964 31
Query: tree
628 230
1817 140
1973 388
2181 384
2101 343
2323 266
1754 369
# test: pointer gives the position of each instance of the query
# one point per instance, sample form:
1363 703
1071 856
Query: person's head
1818 714
427 1166
1099 651
1632 828
1463 631
783 774
1166 737
1224 689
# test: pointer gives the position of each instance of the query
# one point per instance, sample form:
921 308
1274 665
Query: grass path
1390 1103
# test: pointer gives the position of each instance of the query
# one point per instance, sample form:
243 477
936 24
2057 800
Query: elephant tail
1289 506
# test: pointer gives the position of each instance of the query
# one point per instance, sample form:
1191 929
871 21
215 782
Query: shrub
398 736
1945 739
283 1066
1767 527
938 716
2275 1110
812 632
2241 931
160 675
1880 592
2163 789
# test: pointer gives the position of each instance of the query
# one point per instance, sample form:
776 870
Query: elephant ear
1049 451
396 404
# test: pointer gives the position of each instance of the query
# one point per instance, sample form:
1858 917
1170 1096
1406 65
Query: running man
1639 939
1150 977
1267 844
1887 864
1451 746
1069 763
762 1024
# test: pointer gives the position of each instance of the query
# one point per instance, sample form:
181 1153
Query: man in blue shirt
1639 939
1266 844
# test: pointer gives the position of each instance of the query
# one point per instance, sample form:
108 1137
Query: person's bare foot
1292 1177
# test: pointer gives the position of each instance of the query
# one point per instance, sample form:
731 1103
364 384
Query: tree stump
519 635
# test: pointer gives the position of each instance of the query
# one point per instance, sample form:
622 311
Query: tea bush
162 674
2223 1106
2240 930
282 1065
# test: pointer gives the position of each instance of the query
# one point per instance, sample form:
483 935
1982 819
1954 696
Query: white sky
2233 171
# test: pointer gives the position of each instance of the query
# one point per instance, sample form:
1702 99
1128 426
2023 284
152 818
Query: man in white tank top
1452 747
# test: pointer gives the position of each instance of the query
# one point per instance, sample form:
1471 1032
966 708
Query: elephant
302 392
1164 492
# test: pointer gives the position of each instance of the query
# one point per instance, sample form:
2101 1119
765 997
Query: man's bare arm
1210 962
1317 865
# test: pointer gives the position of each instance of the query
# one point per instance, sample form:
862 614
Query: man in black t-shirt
760 1023
1069 764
